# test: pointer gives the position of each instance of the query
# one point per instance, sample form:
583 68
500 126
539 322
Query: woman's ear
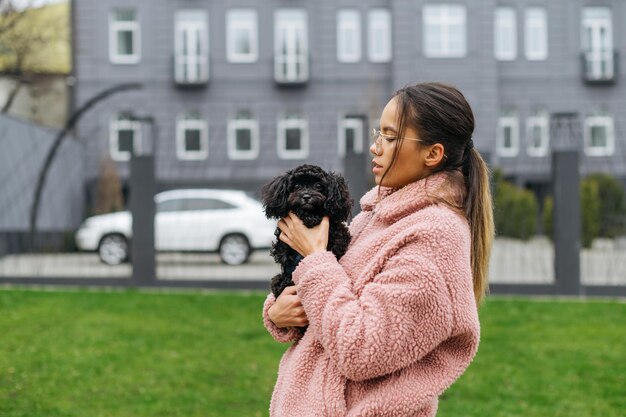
274 196
435 155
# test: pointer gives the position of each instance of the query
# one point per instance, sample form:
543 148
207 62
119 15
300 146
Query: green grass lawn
136 354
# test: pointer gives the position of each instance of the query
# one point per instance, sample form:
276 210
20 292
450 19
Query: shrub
590 211
612 199
515 209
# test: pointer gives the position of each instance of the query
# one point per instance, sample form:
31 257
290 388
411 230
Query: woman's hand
287 310
303 240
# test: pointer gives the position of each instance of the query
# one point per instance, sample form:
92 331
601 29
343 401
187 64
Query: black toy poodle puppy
311 193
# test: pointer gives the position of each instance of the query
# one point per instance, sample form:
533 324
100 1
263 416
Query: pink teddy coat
394 322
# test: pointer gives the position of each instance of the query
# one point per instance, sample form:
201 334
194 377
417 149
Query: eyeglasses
378 136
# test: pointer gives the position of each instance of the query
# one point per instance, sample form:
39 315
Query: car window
169 205
192 204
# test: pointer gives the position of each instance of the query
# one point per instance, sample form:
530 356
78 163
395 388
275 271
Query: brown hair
441 114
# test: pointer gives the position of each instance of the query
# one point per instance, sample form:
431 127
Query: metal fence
137 225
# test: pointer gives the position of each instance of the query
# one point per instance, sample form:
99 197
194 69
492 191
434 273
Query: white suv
200 220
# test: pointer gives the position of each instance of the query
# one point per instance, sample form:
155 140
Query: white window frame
513 123
292 25
442 15
115 125
505 34
609 124
355 123
191 21
289 123
182 124
348 36
242 20
379 33
597 54
116 26
543 122
536 29
233 126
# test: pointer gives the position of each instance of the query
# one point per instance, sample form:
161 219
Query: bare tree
10 15
20 43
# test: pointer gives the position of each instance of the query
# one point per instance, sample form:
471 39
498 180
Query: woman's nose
373 149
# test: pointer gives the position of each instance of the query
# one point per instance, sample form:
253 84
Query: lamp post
566 215
142 208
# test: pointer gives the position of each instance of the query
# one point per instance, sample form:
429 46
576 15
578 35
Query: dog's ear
274 196
338 204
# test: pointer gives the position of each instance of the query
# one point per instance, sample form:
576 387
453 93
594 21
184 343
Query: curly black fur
311 193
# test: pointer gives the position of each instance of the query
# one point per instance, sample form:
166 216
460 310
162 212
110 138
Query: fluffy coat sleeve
283 335
397 319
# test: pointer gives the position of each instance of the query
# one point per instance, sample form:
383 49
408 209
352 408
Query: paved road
169 266
512 261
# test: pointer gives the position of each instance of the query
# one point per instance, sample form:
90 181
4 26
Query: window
293 137
597 41
599 136
350 135
243 137
536 34
505 33
166 206
537 134
202 204
191 46
379 35
348 36
290 46
508 136
125 137
192 140
242 35
444 31
124 39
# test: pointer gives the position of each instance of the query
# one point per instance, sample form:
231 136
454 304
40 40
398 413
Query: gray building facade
242 90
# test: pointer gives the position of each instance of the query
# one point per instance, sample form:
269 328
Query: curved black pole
57 143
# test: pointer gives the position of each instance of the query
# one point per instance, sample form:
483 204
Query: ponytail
479 213
441 114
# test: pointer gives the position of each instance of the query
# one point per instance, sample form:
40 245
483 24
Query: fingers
284 238
282 226
293 219
292 289
293 311
290 219
300 318
284 230
302 323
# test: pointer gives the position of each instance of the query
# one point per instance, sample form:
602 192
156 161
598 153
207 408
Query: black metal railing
599 66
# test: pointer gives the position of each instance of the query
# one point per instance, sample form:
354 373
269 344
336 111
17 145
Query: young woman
394 322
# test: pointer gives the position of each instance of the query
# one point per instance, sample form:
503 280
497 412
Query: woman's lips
376 167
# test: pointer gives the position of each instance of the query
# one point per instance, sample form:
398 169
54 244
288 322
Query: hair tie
469 145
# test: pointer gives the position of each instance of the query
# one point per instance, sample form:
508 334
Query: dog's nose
306 197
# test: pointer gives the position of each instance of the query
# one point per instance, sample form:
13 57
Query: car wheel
234 249
113 249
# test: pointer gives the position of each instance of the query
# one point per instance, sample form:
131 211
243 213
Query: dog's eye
297 187
318 186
